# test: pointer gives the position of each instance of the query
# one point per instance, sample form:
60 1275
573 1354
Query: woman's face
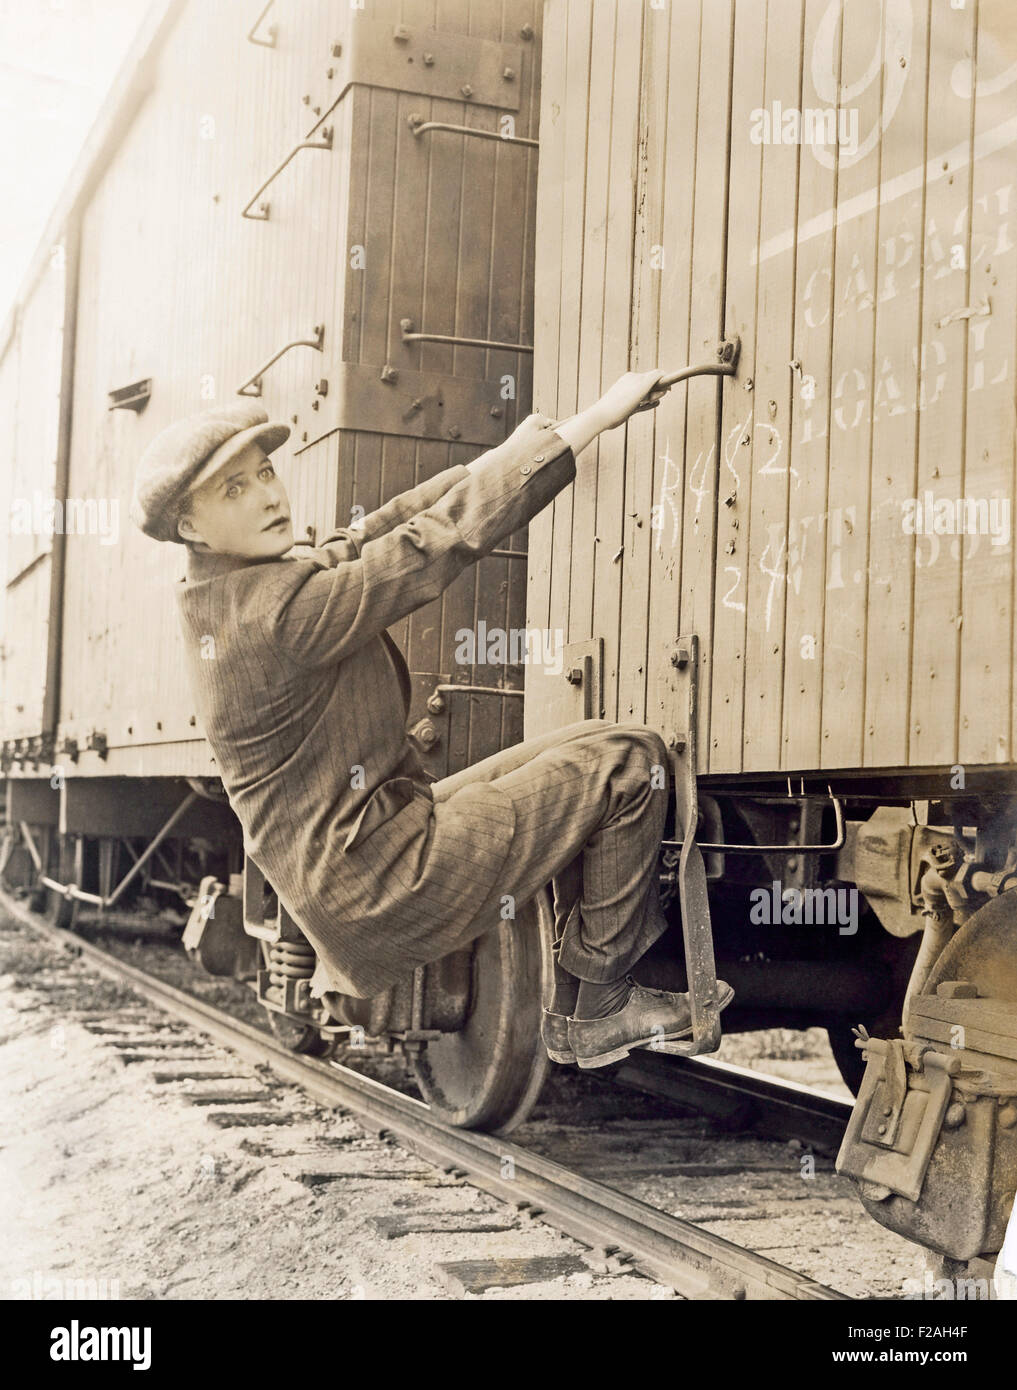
242 510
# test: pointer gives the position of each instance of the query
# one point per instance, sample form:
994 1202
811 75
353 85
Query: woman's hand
631 392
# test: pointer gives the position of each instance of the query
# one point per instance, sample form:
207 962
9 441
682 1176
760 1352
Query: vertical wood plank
734 494
768 521
914 601
986 688
807 458
677 230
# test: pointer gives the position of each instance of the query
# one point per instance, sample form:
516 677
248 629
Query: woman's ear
186 529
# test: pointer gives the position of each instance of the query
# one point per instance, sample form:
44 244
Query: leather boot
649 1015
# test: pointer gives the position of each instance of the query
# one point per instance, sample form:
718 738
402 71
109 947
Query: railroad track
623 1232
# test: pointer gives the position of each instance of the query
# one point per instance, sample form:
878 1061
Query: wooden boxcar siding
447 226
175 285
875 294
29 409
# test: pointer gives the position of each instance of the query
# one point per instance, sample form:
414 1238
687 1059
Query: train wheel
298 1037
981 951
490 1073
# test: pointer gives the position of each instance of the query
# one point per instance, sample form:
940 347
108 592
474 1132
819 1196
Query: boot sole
617 1054
564 1058
604 1059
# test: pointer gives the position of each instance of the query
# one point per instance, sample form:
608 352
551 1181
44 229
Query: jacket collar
209 564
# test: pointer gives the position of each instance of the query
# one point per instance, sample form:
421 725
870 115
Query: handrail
728 353
836 843
406 326
325 143
255 380
726 365
272 29
418 126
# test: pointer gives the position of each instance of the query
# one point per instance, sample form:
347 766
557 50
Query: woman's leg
590 805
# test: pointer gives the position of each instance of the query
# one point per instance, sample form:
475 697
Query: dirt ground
111 1182
111 1176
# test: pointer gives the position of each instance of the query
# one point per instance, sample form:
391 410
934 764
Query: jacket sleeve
348 541
318 616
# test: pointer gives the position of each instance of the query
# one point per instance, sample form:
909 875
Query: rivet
466 89
428 60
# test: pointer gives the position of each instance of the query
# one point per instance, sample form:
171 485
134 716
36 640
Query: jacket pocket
386 801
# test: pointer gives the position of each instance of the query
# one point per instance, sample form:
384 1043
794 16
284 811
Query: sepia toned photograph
508 729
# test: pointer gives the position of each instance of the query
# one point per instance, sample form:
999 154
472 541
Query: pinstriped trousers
590 815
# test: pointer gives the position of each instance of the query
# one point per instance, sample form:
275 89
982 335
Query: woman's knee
647 742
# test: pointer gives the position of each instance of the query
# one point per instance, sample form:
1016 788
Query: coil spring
290 960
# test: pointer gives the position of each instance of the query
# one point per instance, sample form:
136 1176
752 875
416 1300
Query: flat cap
188 453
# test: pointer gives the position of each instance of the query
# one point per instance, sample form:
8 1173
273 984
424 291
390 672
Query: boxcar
799 568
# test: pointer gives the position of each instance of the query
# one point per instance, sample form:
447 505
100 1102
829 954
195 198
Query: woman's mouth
279 522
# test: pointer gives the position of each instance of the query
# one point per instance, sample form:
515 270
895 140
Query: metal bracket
418 405
439 63
419 126
892 1131
325 143
255 381
583 664
134 397
697 930
282 928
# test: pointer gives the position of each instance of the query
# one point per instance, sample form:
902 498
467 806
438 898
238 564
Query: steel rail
779 1109
695 1263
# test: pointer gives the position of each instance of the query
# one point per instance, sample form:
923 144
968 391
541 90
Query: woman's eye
268 471
233 490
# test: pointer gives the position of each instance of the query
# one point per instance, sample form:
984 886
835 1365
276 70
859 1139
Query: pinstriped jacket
304 699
